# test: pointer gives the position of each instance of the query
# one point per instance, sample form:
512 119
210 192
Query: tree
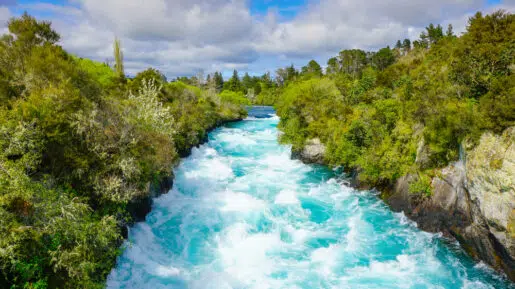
188 80
406 45
436 34
118 59
29 32
26 34
312 69
398 45
291 72
257 86
218 81
149 74
449 32
266 81
281 76
333 66
76 149
383 58
432 35
234 97
285 75
485 56
418 44
247 82
234 84
209 82
353 61
423 42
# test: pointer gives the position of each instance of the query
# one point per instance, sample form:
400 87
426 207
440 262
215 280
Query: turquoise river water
242 214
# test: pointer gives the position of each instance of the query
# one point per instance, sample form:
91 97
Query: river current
242 214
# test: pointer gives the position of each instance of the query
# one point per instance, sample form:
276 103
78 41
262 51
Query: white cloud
177 37
337 24
4 17
180 37
198 21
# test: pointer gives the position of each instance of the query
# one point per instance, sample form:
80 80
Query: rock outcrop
452 210
491 183
472 200
313 152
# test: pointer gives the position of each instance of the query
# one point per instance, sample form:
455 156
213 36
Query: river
242 214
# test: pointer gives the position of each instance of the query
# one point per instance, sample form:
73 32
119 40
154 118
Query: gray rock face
313 152
472 200
447 208
451 210
491 183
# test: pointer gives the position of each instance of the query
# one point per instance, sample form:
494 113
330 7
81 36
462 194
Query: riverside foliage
405 110
78 142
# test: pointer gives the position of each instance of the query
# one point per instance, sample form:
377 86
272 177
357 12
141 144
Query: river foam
242 214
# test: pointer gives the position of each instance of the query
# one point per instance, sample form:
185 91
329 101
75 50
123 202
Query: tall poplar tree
118 59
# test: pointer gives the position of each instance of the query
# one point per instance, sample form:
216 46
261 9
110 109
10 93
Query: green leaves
234 97
77 143
29 32
383 58
421 185
393 116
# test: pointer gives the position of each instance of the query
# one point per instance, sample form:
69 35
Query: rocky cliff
490 172
454 211
472 200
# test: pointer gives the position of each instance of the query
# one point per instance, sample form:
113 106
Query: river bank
242 214
471 200
140 207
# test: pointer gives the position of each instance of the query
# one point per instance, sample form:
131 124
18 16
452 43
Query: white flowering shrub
149 111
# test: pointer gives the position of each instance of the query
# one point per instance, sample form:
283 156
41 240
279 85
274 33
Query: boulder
313 152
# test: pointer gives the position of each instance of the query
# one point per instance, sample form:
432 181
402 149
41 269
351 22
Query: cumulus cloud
4 17
336 24
198 21
177 37
181 37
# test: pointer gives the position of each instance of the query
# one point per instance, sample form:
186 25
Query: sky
184 37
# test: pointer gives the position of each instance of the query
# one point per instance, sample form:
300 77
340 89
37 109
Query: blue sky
183 37
286 8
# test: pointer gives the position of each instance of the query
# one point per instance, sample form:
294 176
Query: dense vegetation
396 111
406 110
78 142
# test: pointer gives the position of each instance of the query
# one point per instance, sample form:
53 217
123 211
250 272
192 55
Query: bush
234 97
382 119
77 144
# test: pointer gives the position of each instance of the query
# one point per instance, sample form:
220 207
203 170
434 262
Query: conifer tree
449 32
406 45
398 45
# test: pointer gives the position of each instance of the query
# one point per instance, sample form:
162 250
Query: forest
78 142
409 109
